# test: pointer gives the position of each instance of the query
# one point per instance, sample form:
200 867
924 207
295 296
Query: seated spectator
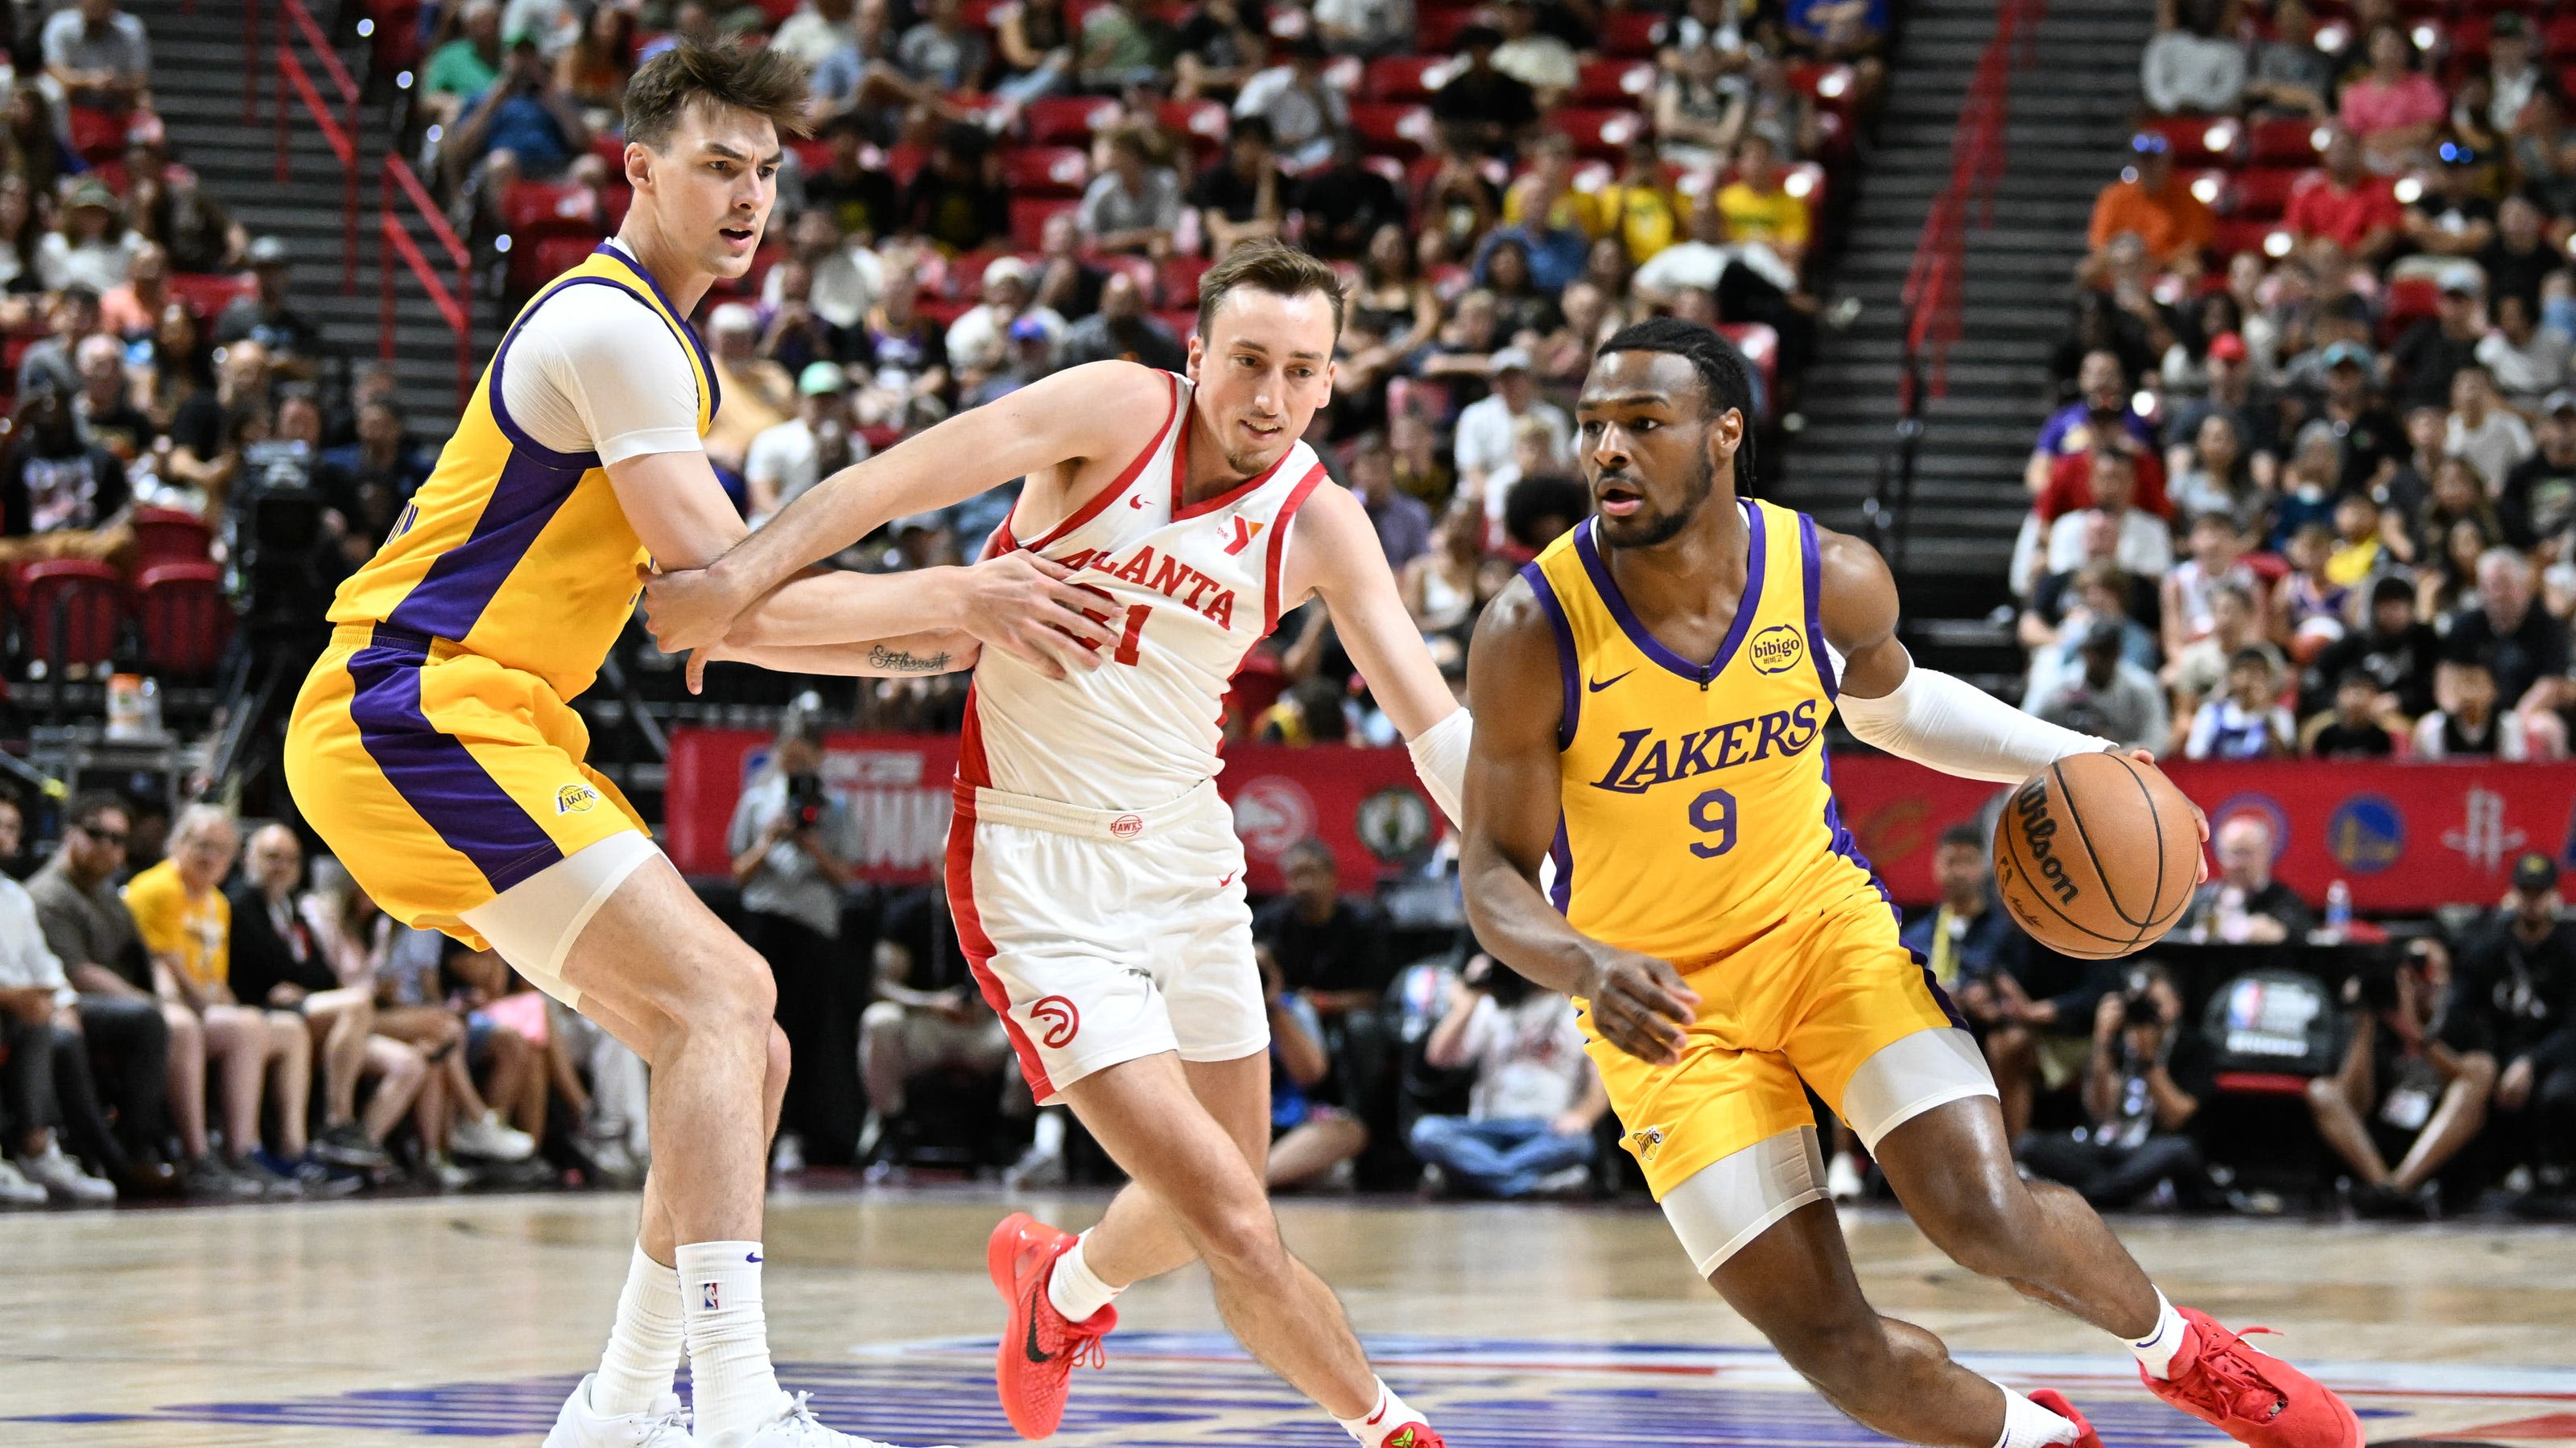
1541 60
2190 69
264 317
1418 468
413 1005
1757 206
523 121
1487 429
367 482
943 50
508 1045
2041 1037
842 278
1545 215
1965 939
2391 648
278 963
2519 642
1521 308
2493 437
1122 330
2432 352
2346 205
1032 356
2393 109
2307 605
958 200
1309 1138
1346 205
99 56
47 1094
2144 1081
102 412
2402 1090
1119 44
2493 104
1700 109
2449 217
2104 693
2144 543
2156 207
93 248
2358 549
1134 206
2369 440
594 69
1850 32
2291 76
753 393
265 1056
2466 721
2200 669
2244 905
2520 259
1403 522
2246 722
1446 586
858 201
1364 27
2528 362
927 1015
2187 608
786 460
979 340
1536 1098
1330 948
2214 475
71 315
815 29
1244 193
1482 110
2513 1001
2535 506
2065 605
1034 41
2352 728
2078 426
60 497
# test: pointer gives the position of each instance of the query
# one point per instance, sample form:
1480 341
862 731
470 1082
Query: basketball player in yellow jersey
434 748
1651 829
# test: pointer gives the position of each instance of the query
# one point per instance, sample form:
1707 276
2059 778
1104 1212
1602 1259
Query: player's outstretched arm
1916 713
1342 561
1082 412
1638 1003
912 656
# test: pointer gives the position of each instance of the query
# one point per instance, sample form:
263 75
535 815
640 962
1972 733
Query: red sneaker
1415 1435
2055 1402
2253 1397
1034 1364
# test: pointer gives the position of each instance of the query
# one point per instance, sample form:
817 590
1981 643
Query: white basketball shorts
1104 936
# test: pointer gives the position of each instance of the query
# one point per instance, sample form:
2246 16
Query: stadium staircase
2068 110
198 65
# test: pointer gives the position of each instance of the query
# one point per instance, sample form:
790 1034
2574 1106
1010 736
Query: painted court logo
1777 649
575 799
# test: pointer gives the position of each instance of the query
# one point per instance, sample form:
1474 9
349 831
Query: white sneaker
1843 1181
799 1428
63 1179
577 1426
16 1190
487 1138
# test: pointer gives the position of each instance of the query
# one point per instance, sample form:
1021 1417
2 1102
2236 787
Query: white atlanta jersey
1186 590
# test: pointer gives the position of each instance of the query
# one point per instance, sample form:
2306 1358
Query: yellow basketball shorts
1813 1001
439 777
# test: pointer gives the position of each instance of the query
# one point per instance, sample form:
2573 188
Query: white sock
1048 1139
2028 1425
1075 1289
734 1390
1389 1415
2156 1350
644 1346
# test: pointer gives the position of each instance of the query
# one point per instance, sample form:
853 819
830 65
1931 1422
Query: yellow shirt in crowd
1773 216
198 931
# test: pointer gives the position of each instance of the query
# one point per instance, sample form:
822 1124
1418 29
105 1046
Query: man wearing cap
2108 695
1489 429
2232 394
1032 356
1304 112
2150 203
2346 204
2513 1000
787 459
264 316
1481 109
2372 440
2537 504
979 340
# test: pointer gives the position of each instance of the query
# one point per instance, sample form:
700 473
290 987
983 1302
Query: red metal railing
1977 152
341 136
394 239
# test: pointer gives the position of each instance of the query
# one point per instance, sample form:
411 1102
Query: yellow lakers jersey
1698 812
512 550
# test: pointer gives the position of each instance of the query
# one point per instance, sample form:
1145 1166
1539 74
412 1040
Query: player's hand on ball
1023 604
2148 757
1640 1005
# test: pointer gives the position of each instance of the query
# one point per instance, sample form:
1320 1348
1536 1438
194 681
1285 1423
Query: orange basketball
2097 855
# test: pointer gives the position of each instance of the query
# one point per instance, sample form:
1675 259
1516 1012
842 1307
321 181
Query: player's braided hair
766 82
1726 379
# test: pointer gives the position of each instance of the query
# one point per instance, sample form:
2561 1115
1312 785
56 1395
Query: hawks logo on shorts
1063 1022
575 799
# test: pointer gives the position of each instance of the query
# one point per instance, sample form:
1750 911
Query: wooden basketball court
371 1324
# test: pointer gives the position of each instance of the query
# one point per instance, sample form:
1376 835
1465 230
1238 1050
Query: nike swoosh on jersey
1597 685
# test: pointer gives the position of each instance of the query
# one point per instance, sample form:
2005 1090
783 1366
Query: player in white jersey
1095 874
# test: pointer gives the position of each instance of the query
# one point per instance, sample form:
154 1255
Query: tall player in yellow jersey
1651 828
434 748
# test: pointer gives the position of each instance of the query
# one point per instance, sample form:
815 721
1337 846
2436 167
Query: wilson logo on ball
2038 828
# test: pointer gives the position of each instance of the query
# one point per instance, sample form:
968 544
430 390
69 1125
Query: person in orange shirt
2173 223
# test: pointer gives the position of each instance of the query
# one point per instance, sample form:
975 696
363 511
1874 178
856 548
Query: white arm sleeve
1440 757
1956 728
594 370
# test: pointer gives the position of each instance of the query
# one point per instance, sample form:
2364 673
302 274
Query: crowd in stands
2311 486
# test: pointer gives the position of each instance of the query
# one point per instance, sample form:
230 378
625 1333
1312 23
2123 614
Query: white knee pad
1911 1075
1724 1205
534 923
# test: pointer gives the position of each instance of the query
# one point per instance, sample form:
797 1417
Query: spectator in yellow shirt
1639 207
1757 208
186 923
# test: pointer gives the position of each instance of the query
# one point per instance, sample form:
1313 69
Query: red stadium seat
1633 33
1761 347
2558 36
1389 129
546 208
1045 170
533 266
2286 141
186 620
1068 120
1436 31
1029 218
1615 83
208 293
2197 140
169 535
902 161
2262 193
1138 269
97 135
73 610
1179 281
1204 122
1405 77
1599 132
2234 236
2409 300
1827 85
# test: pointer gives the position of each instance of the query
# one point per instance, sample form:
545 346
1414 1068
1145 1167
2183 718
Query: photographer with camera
2402 1090
792 843
1528 1127
2513 999
2142 1087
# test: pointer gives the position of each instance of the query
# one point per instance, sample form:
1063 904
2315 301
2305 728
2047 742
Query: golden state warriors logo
575 799
1646 1143
1777 649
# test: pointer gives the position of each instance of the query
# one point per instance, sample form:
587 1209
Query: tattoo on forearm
905 661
